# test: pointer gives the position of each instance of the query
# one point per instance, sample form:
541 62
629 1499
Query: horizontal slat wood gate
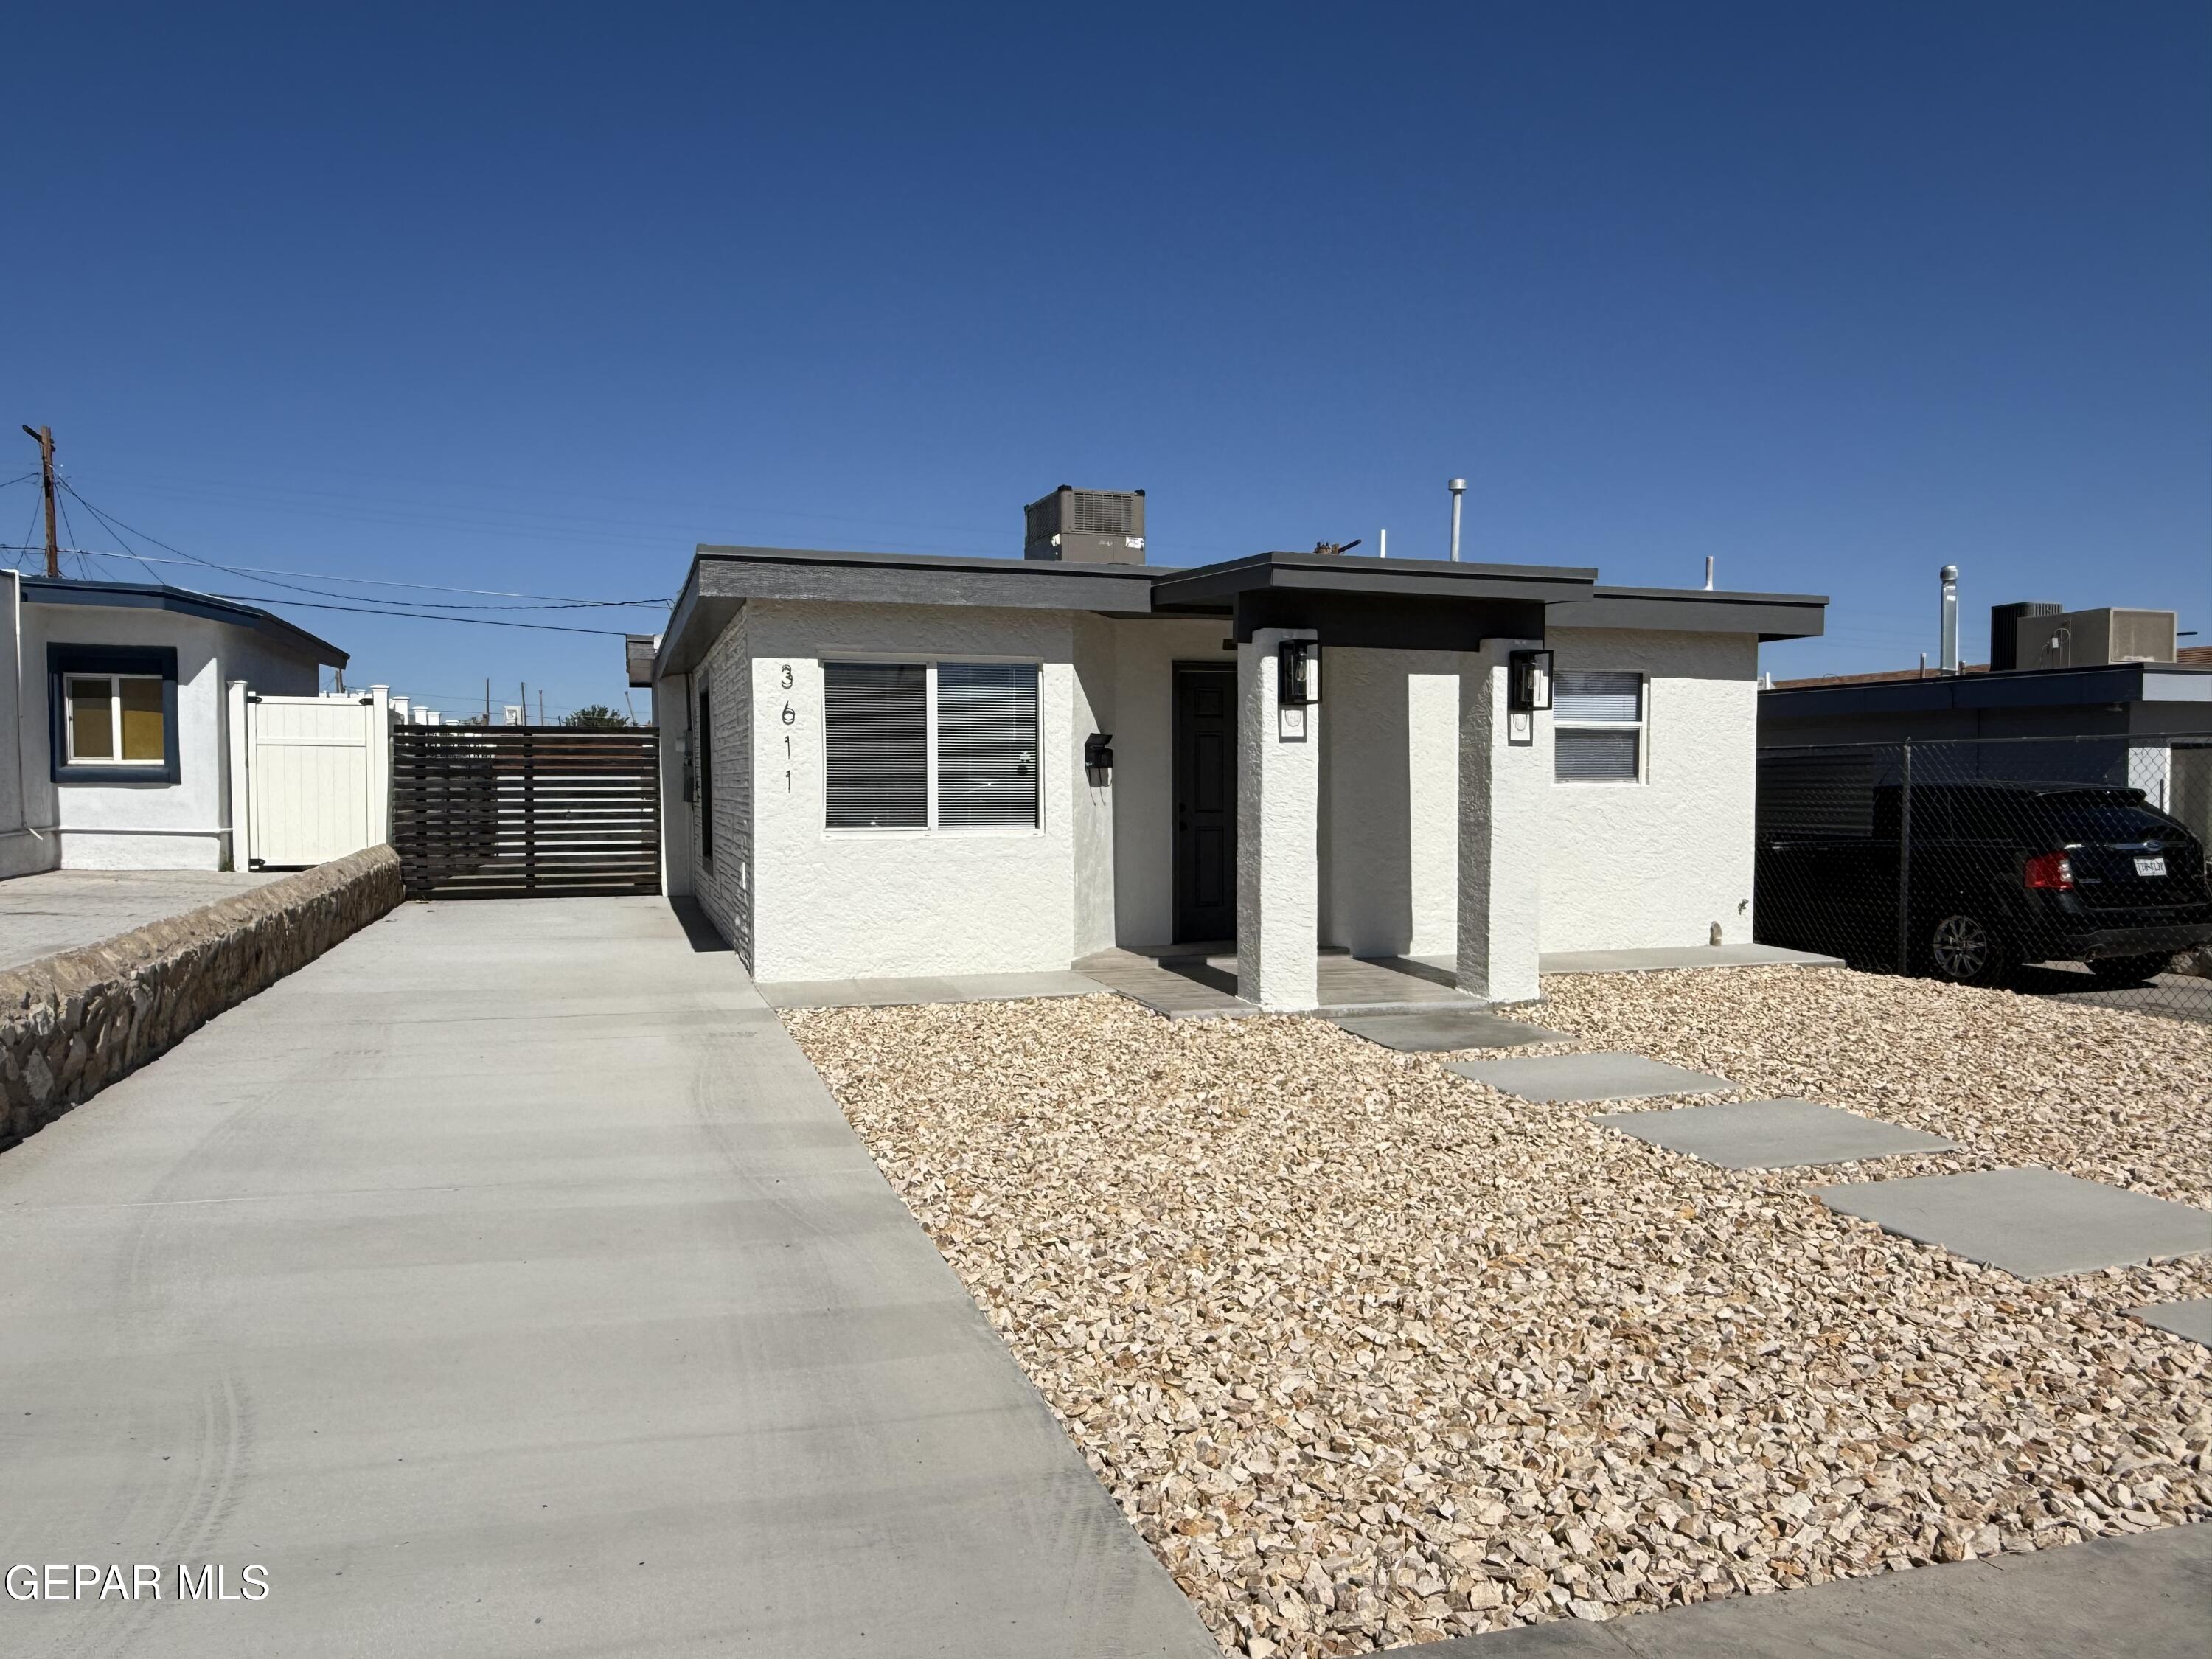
510 812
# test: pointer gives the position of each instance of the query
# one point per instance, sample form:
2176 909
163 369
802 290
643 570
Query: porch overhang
1403 604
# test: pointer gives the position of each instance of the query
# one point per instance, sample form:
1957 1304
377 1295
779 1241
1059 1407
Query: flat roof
2011 688
184 602
1378 601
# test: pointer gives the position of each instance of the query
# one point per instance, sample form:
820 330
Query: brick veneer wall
70 1024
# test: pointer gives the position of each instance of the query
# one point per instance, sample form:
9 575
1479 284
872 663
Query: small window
987 745
116 719
1597 726
876 730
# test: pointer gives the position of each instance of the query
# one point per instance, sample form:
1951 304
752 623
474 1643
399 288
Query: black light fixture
1297 673
1528 681
1098 752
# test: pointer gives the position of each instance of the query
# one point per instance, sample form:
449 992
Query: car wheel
2127 970
1967 950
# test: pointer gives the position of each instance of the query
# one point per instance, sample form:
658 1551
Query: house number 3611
790 718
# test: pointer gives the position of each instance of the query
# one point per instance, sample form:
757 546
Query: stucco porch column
1277 832
1503 781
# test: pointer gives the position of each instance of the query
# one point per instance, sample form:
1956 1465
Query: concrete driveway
507 1283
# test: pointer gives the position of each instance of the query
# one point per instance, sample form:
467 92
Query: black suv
1999 874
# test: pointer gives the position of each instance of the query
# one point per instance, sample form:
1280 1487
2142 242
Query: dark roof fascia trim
2050 687
778 572
1213 585
127 596
693 625
1697 611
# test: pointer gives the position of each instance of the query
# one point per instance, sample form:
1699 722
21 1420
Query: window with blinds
878 717
987 745
876 734
1597 726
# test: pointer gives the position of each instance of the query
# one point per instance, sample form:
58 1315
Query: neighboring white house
115 747
907 764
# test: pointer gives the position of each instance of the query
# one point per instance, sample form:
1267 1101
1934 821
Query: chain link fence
2068 867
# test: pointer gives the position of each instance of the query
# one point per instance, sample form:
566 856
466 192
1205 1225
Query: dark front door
1205 802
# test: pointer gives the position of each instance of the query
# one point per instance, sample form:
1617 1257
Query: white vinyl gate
310 777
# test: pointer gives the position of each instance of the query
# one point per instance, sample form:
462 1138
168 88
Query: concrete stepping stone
1773 1134
2033 1224
1603 1076
2191 1319
1431 1030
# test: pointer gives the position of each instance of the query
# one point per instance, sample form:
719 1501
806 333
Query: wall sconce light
1297 673
1528 681
1098 752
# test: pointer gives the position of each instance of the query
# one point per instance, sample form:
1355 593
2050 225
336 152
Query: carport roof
1412 602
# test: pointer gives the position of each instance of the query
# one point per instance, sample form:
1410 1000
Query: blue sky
535 300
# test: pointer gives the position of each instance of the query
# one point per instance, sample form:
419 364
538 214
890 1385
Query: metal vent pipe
1948 663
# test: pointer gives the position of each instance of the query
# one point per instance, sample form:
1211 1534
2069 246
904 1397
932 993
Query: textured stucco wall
21 851
209 654
844 903
1390 847
70 1024
1092 798
1277 832
1145 654
1503 776
1658 862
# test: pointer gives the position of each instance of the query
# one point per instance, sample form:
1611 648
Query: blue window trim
63 660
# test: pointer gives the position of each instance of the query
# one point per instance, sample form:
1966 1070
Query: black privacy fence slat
520 811
2073 868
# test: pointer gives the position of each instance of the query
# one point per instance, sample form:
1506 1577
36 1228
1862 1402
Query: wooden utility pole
45 435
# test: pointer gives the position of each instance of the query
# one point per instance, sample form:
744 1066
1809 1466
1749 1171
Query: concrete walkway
2147 1597
60 910
506 1282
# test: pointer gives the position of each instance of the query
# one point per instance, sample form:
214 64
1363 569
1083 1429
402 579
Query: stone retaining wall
70 1024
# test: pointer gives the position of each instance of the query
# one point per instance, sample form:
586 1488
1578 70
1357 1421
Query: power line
445 605
424 588
118 527
416 616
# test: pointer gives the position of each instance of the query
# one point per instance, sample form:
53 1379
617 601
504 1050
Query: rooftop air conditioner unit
2088 639
1086 526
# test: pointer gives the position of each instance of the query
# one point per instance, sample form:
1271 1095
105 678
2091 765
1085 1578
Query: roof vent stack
1948 663
1085 526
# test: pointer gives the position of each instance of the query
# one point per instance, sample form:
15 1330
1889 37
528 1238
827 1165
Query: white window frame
1640 726
927 661
114 758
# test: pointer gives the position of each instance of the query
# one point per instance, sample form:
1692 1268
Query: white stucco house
114 738
884 764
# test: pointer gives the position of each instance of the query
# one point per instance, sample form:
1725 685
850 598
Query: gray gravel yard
1370 1354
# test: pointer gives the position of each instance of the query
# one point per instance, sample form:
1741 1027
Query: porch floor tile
898 993
1435 1031
1772 1135
2031 1222
2191 1319
1590 1076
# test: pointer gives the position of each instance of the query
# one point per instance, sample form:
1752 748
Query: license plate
2150 867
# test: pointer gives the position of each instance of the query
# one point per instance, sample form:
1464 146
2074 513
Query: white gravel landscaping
1370 1354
